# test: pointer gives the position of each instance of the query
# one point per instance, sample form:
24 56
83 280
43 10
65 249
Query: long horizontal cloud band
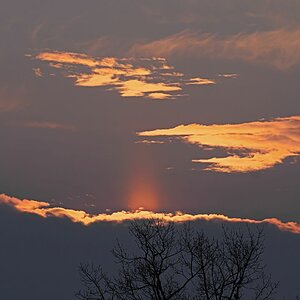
44 210
256 145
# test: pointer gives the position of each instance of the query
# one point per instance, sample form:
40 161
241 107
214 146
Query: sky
118 110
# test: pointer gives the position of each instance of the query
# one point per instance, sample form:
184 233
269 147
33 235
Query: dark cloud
51 250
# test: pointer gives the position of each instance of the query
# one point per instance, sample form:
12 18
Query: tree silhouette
172 263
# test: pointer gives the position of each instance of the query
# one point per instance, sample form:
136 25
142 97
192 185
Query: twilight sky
113 110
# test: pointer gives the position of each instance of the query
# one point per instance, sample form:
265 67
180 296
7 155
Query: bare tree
231 268
172 263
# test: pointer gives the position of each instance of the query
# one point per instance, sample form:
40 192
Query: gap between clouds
43 209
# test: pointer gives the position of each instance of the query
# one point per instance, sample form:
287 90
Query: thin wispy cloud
6 105
278 48
48 125
251 146
43 209
200 81
37 72
151 78
11 100
233 75
149 142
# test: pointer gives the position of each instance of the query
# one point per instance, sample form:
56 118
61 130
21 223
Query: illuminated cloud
200 81
134 88
68 58
37 72
252 146
149 142
43 209
279 48
160 96
234 75
151 78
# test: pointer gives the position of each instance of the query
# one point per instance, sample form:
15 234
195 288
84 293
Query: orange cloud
279 48
200 81
37 72
134 88
149 142
152 78
160 96
68 58
44 210
256 145
234 75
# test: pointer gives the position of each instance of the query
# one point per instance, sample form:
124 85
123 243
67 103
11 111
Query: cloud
278 48
134 88
151 78
37 72
234 75
160 96
251 146
43 209
68 58
11 100
200 81
48 125
7 106
149 142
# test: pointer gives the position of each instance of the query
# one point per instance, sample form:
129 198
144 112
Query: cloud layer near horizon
278 48
250 146
43 209
145 77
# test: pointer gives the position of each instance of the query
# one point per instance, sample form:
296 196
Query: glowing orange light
142 184
142 194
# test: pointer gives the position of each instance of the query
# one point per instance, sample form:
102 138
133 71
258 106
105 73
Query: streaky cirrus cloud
11 100
251 146
152 78
279 48
49 125
233 75
43 209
